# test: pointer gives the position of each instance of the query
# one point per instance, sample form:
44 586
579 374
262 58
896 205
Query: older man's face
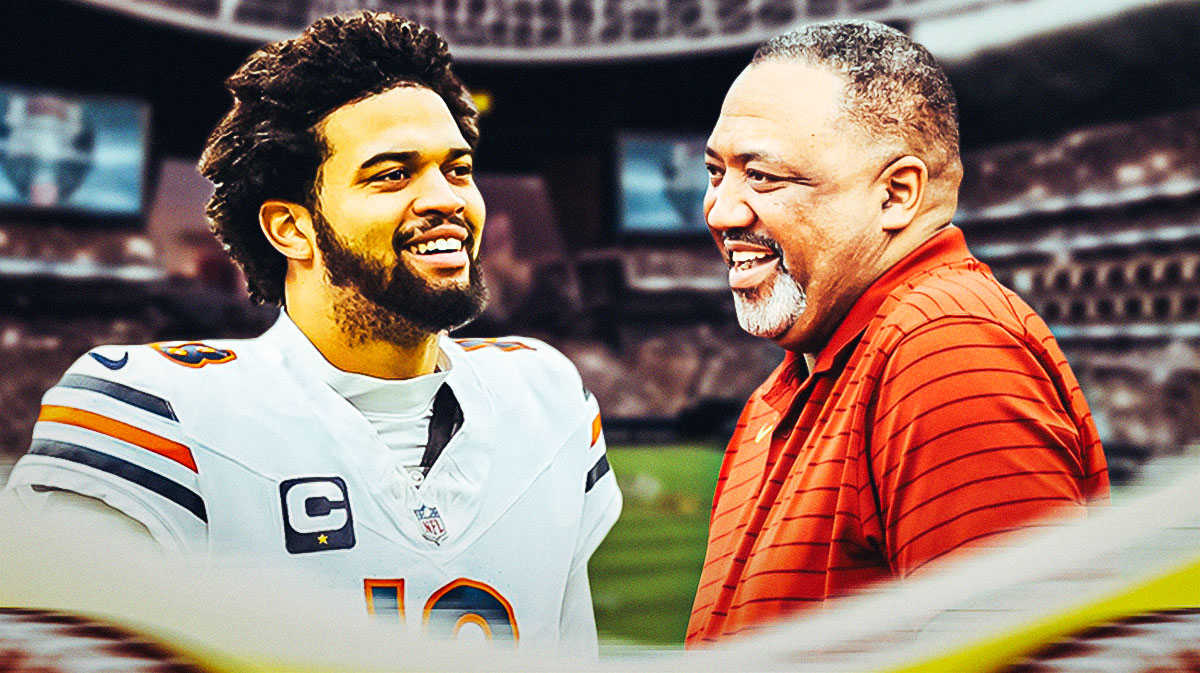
793 202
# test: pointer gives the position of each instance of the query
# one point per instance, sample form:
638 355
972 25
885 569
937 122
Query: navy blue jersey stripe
598 470
123 393
176 493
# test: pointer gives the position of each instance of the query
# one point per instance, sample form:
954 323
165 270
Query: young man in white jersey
457 485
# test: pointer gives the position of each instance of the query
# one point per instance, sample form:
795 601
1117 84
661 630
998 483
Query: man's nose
726 209
437 195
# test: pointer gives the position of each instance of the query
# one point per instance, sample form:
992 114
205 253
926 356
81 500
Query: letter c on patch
316 514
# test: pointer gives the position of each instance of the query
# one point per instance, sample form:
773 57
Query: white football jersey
236 448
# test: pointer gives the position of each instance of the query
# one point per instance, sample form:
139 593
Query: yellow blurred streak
1178 589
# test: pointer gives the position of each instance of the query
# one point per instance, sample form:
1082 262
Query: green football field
644 574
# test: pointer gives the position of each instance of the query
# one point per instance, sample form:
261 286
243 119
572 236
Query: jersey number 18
449 609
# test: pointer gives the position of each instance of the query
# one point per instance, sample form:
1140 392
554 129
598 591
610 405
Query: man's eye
758 176
461 170
394 175
714 174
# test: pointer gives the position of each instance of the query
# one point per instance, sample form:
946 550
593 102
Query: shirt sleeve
73 519
601 507
971 437
104 434
577 625
602 497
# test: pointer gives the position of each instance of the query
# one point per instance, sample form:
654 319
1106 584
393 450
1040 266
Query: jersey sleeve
601 507
558 390
577 627
107 431
572 414
563 391
971 438
602 497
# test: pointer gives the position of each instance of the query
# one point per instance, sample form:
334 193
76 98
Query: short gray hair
895 88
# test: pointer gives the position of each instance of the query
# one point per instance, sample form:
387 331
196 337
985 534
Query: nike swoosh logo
111 364
762 432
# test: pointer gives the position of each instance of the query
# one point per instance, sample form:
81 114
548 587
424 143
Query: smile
442 247
750 264
436 246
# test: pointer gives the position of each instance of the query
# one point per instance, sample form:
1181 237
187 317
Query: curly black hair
268 147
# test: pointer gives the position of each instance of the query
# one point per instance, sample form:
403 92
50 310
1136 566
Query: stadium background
1081 134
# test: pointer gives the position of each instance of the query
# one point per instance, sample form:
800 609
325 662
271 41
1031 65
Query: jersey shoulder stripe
505 345
148 479
598 470
104 425
597 430
122 393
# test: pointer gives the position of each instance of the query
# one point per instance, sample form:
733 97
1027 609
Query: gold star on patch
322 539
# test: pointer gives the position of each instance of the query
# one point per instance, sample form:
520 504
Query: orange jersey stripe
122 431
595 429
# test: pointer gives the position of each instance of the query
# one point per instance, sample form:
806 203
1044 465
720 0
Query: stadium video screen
71 155
661 183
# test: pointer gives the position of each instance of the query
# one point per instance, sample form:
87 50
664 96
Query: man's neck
362 354
900 246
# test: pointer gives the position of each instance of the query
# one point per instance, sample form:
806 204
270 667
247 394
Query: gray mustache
754 238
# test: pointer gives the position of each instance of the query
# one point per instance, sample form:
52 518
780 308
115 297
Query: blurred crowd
1088 168
1099 230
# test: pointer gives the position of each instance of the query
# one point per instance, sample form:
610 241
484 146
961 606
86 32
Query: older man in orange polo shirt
936 409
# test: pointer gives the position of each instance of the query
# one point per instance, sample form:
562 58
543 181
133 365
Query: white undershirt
398 409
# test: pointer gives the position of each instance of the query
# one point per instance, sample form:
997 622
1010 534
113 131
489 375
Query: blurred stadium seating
1082 192
1099 230
1087 169
550 30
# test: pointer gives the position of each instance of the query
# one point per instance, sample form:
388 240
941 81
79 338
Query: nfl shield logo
431 524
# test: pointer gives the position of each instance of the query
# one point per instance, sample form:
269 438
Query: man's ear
288 226
904 182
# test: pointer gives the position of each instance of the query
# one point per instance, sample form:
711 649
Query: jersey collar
367 393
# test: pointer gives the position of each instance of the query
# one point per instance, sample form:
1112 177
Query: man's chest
799 492
490 530
450 550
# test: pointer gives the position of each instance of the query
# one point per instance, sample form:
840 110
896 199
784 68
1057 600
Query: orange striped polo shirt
940 413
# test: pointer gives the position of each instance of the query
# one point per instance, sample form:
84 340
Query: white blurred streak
238 614
268 616
961 35
987 593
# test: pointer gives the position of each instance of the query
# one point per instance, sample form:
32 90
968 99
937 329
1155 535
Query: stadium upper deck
523 31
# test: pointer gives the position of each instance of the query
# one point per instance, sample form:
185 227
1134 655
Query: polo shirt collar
945 247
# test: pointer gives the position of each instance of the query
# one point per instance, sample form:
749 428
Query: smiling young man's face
398 216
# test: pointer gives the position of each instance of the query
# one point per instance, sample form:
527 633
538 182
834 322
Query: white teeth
439 245
739 256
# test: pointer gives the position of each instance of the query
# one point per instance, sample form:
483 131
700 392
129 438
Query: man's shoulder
518 370
118 427
964 290
169 370
165 358
524 358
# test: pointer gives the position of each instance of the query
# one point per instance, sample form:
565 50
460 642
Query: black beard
396 305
